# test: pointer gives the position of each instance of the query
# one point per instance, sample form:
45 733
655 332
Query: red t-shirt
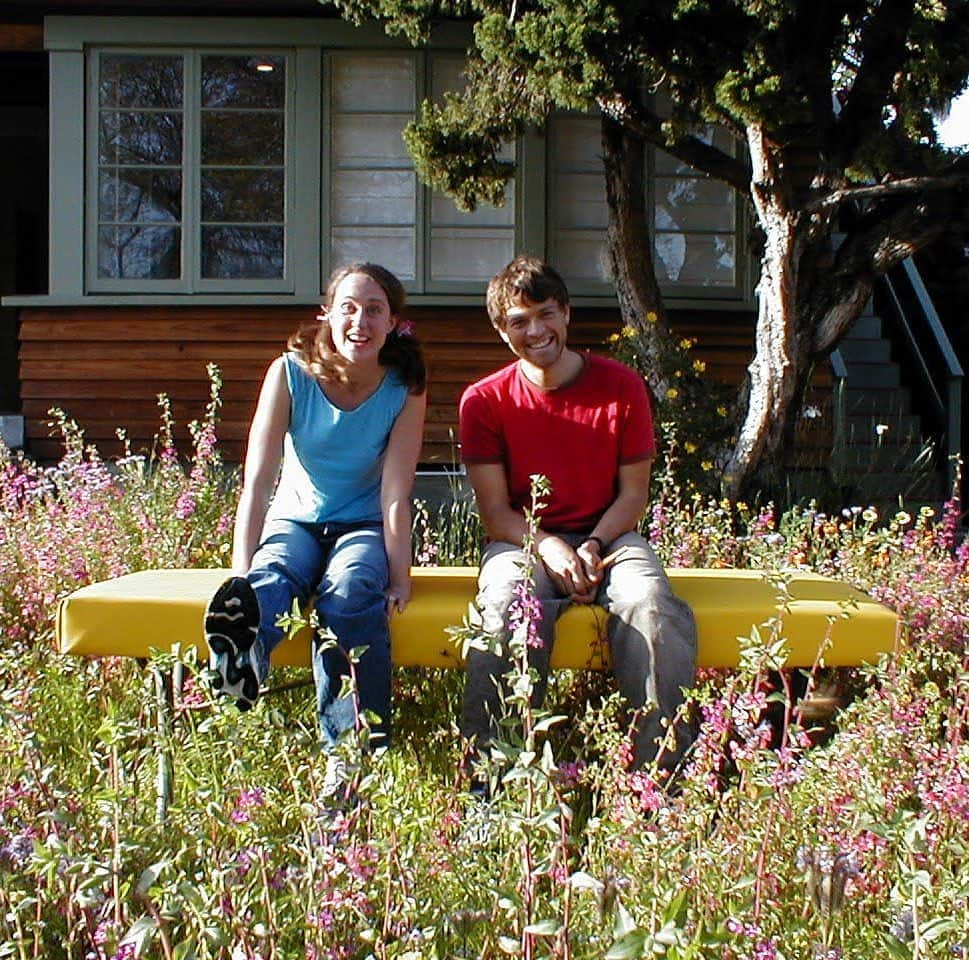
578 436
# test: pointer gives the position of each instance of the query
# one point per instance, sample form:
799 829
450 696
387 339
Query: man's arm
625 512
503 523
622 516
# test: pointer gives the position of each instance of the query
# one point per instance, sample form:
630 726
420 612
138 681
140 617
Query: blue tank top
332 458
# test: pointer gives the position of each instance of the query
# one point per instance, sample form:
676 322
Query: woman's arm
397 482
263 455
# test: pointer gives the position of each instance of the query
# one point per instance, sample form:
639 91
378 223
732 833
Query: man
585 423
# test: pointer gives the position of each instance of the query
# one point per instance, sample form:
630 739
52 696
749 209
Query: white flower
811 413
881 429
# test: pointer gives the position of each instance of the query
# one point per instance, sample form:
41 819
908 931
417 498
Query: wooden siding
106 366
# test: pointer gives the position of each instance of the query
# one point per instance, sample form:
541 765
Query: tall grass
781 838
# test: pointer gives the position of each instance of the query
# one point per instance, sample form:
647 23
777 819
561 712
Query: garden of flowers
820 813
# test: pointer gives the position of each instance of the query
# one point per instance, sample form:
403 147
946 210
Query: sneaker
335 780
231 631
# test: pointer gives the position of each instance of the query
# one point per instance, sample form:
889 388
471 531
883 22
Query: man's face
536 332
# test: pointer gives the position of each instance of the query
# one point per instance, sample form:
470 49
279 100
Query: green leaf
544 928
140 934
932 929
585 881
149 876
896 949
632 944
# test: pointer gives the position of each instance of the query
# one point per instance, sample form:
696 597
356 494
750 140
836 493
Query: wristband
598 540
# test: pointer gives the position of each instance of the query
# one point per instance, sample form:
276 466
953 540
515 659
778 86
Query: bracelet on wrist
597 540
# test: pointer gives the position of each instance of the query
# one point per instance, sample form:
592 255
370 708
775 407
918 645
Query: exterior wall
106 366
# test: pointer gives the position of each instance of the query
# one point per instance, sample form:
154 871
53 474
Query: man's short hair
526 278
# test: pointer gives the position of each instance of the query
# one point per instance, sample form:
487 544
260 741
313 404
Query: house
190 172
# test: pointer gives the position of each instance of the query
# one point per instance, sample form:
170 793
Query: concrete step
915 457
886 489
883 403
866 327
879 375
896 430
868 350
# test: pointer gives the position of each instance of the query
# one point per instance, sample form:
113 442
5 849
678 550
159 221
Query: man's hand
575 574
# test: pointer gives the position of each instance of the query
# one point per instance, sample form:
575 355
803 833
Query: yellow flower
613 338
628 332
651 317
699 366
672 393
689 447
706 465
721 411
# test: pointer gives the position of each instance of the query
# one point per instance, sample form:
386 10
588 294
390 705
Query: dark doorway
23 199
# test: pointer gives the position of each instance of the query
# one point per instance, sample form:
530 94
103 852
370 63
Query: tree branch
689 149
878 191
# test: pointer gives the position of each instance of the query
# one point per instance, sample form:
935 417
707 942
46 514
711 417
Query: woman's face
360 318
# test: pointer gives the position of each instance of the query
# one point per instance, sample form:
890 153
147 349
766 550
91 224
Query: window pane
582 256
139 175
693 204
249 81
242 124
373 196
242 138
140 138
242 196
368 83
135 80
582 201
139 195
242 252
717 136
445 214
375 140
470 255
697 260
139 253
578 143
392 247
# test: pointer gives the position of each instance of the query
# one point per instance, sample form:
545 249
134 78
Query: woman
343 410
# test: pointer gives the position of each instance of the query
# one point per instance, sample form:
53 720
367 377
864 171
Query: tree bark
630 248
781 362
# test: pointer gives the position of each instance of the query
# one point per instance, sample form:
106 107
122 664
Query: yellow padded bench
155 609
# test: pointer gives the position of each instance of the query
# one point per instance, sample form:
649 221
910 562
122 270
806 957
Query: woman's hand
398 595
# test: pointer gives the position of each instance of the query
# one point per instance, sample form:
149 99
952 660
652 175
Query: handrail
949 406
839 413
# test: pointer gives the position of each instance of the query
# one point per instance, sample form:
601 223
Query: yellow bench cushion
155 609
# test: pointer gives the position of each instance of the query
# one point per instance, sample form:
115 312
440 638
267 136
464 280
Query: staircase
885 453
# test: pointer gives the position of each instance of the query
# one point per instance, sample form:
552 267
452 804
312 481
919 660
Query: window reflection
243 153
140 134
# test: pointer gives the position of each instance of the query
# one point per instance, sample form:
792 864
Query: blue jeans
343 567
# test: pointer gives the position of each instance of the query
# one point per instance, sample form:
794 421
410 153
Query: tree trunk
630 251
781 364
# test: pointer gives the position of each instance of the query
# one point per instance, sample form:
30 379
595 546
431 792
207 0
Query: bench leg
162 680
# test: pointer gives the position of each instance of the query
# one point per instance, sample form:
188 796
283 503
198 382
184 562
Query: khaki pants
650 631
